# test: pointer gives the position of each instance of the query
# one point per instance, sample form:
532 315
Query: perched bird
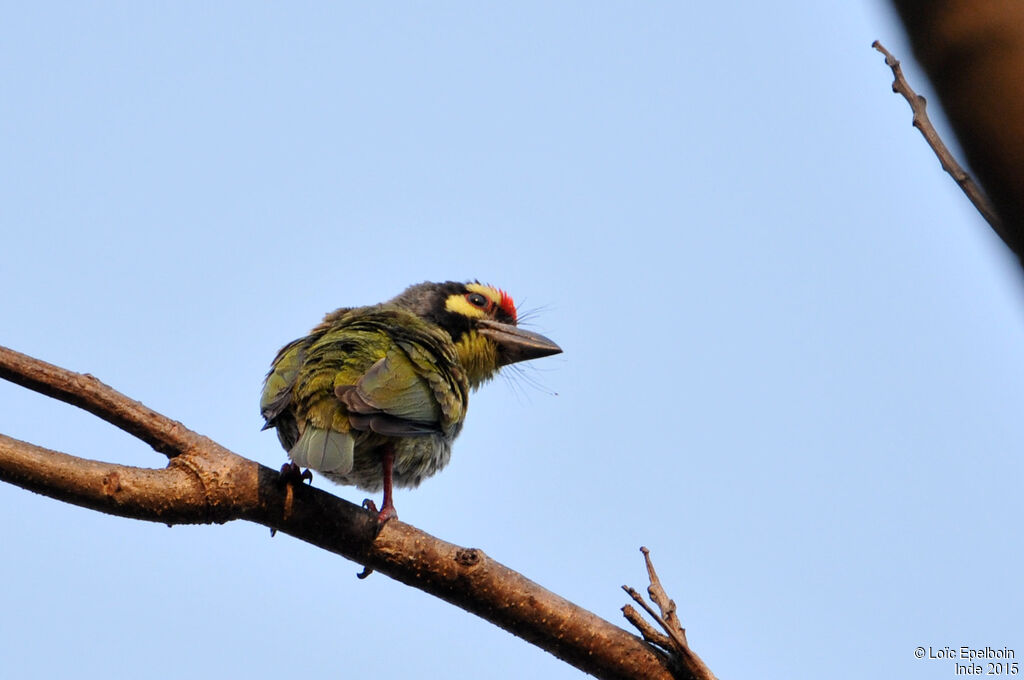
375 395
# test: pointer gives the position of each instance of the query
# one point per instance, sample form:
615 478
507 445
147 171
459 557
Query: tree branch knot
468 557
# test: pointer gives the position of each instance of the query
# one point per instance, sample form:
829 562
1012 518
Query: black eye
477 300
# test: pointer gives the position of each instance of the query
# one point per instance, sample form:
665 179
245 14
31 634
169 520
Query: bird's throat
478 356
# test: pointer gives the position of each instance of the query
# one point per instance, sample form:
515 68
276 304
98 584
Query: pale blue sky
792 358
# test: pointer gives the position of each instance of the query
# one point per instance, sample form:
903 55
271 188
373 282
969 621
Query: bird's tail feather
324 450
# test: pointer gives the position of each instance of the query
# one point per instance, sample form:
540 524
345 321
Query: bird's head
482 322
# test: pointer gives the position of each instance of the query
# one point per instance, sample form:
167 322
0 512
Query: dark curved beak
515 344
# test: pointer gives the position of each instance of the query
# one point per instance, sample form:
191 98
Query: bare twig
646 629
921 121
659 597
675 641
205 482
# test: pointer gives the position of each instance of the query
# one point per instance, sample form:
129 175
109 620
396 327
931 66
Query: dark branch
922 122
204 482
973 54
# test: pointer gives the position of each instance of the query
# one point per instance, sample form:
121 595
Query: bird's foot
293 474
384 514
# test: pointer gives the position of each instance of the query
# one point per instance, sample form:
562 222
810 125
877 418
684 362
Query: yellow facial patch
460 305
478 356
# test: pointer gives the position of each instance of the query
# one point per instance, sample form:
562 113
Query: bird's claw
384 514
293 474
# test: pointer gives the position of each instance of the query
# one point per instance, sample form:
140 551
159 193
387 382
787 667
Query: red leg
388 510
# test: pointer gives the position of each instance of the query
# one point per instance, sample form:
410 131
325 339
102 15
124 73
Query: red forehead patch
507 305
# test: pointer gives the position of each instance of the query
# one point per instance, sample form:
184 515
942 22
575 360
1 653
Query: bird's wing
439 368
321 449
277 392
278 385
370 370
392 398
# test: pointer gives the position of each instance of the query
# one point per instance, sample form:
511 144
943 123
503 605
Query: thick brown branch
207 483
171 495
918 105
86 392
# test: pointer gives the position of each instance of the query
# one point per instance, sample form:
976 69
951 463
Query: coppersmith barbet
375 395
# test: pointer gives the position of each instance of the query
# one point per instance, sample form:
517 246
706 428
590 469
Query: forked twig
646 630
673 642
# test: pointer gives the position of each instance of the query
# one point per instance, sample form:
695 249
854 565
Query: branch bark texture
973 52
204 482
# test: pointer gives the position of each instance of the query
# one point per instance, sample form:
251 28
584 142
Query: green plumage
409 391
375 394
